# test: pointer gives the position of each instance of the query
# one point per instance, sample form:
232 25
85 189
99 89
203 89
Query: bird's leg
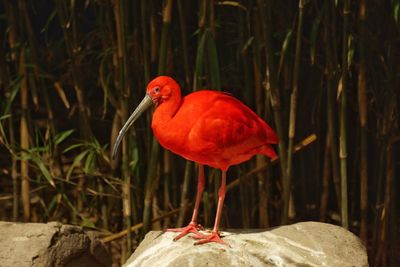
214 236
193 227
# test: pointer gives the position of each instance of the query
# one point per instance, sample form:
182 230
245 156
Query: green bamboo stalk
71 44
362 107
153 163
167 174
271 86
264 217
330 94
293 106
5 80
119 13
184 195
165 36
145 43
383 232
14 174
185 53
325 181
343 118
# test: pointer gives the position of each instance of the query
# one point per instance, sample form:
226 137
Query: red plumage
207 127
212 128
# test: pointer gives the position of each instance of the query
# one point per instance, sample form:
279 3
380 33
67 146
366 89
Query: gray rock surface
51 244
301 244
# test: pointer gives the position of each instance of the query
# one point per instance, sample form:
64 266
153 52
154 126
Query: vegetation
325 74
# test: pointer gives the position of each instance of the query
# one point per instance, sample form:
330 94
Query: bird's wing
228 123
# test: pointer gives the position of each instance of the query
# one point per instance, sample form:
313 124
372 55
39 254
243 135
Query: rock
51 244
301 244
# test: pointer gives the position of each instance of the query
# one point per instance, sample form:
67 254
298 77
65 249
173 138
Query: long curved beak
144 104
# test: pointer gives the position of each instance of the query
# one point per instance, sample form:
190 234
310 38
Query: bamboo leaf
62 136
90 162
45 172
15 85
87 222
284 49
76 163
73 147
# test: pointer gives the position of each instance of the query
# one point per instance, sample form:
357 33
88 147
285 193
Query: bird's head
158 91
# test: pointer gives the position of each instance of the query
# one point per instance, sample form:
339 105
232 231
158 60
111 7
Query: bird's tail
268 151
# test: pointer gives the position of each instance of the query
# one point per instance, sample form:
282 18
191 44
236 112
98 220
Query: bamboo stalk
271 86
260 101
343 118
24 139
185 53
12 41
362 107
393 209
119 13
330 95
14 175
325 181
145 42
165 35
383 234
184 195
293 106
151 174
71 45
167 182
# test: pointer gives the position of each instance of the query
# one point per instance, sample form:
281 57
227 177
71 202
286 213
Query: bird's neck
166 111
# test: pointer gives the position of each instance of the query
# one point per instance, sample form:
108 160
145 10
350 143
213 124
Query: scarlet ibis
208 127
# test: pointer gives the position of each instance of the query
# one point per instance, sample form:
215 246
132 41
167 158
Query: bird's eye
156 89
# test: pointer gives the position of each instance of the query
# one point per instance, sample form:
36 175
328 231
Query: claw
213 237
191 228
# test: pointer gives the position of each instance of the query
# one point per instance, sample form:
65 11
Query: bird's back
216 129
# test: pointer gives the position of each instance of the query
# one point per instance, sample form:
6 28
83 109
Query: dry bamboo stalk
362 106
119 7
24 139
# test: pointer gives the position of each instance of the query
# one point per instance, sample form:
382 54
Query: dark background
71 71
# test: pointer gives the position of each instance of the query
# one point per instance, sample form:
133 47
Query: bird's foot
213 237
190 228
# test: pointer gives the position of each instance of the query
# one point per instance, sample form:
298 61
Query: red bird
208 127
